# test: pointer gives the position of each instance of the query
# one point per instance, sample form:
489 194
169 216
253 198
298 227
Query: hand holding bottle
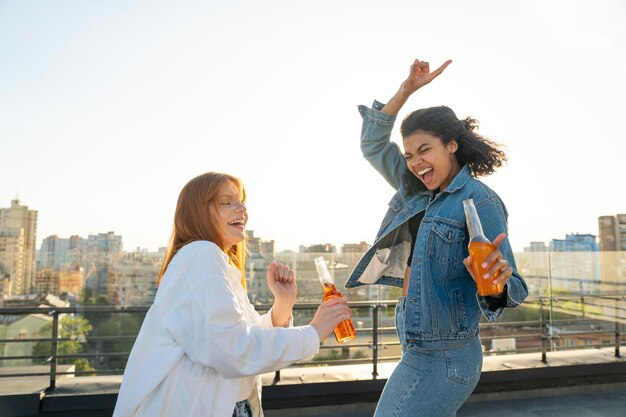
497 268
344 331
485 264
329 315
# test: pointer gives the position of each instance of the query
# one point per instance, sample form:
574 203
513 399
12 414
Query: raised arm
385 156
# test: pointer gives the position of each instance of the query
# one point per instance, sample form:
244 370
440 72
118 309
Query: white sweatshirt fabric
202 345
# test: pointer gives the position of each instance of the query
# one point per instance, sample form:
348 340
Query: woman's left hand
282 283
420 75
495 264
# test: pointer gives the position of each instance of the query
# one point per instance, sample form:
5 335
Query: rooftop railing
546 324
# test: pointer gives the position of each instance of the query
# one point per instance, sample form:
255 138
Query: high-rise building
47 281
57 253
612 233
534 265
536 247
256 245
575 242
355 247
79 262
613 252
21 223
319 248
575 264
103 252
71 279
12 263
136 277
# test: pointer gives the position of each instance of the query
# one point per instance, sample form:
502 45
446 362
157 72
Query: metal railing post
618 338
542 323
582 305
54 349
375 341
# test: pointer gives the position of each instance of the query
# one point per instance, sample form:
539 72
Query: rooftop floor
567 397
573 383
606 400
490 364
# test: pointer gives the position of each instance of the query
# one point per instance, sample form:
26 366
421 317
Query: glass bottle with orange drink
344 330
479 248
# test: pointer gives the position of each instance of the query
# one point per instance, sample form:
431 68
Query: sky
107 108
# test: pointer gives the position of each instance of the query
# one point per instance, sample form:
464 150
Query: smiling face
231 215
430 160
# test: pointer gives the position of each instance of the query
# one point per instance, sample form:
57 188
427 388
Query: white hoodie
202 345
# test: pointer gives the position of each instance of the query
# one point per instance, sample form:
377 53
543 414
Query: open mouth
237 223
426 175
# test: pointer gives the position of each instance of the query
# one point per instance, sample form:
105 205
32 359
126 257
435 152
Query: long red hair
194 219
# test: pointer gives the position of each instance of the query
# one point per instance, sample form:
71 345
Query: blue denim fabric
443 307
400 308
431 383
242 409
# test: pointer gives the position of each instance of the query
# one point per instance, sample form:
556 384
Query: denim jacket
443 307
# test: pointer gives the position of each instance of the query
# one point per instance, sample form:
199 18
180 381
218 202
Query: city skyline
108 109
335 245
40 239
97 269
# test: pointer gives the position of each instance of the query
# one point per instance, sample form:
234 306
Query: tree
74 328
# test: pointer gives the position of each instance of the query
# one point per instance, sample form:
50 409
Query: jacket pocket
446 243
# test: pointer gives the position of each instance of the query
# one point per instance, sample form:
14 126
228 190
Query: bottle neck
474 226
322 271
475 230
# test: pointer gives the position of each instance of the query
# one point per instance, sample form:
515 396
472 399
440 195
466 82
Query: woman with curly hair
422 247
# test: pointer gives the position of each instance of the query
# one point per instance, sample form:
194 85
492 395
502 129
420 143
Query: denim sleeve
494 221
384 155
494 303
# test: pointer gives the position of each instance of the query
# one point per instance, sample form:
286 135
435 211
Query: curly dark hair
482 155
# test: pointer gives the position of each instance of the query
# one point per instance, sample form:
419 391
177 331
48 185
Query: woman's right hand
329 315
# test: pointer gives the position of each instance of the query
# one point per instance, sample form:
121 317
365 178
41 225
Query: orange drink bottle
479 248
344 330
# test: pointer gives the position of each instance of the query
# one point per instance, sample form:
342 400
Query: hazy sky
107 108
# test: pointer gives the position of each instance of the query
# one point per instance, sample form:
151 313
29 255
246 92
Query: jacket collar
459 180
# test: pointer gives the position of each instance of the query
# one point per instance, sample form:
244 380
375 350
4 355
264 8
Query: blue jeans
430 382
242 409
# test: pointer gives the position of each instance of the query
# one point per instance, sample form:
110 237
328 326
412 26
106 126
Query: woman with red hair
202 345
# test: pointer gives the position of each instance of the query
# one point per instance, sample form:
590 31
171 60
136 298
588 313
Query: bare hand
329 315
420 75
282 283
498 270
